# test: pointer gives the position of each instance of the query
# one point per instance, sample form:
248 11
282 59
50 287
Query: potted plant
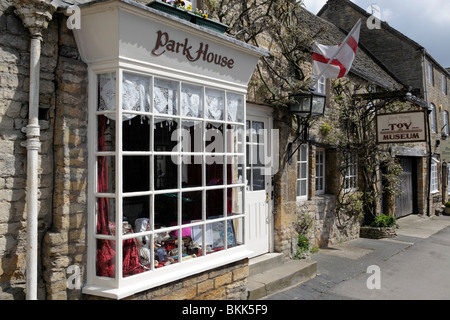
447 208
383 226
179 9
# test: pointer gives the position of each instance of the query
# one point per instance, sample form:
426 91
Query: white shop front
167 136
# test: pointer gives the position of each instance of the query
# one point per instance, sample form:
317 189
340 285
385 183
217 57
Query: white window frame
434 180
320 171
119 286
351 172
448 178
444 84
302 162
321 84
433 120
446 123
430 73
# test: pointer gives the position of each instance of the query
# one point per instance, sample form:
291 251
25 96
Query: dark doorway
406 202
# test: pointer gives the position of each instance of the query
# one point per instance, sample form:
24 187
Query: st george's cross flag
335 61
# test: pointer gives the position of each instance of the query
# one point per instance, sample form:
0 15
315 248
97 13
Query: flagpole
337 52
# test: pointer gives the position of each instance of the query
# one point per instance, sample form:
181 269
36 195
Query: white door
257 197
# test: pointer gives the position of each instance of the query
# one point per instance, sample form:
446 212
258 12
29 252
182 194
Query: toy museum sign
401 127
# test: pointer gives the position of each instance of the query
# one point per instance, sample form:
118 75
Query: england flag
335 61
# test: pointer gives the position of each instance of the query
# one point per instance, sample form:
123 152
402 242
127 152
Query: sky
425 22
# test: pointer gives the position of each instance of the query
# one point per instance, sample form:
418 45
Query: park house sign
165 43
132 35
401 127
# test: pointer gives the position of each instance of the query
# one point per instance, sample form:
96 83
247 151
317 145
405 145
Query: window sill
144 281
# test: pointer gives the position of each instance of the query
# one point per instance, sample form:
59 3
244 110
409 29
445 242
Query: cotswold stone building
126 148
426 174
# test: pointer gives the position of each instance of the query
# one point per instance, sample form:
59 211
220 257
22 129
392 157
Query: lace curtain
135 94
235 107
136 91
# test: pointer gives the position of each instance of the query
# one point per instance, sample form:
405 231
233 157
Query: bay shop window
166 147
169 173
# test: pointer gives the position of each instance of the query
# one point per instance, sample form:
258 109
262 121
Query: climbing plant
378 170
278 25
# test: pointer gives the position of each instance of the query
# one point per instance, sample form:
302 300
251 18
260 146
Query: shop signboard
403 127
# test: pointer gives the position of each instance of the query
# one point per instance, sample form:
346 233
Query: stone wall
65 243
14 87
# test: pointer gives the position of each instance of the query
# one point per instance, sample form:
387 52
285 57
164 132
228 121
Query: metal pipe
430 155
35 15
33 145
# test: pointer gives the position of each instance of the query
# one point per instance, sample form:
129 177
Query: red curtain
105 248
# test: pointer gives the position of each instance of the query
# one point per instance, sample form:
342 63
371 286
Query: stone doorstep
269 274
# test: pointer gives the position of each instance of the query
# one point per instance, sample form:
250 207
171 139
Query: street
415 265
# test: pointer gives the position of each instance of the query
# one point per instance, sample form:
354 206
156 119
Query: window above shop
430 73
351 172
302 172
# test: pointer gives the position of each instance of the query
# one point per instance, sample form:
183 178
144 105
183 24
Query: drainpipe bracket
32 131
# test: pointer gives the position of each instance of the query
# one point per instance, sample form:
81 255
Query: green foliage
383 220
447 204
326 128
302 246
281 26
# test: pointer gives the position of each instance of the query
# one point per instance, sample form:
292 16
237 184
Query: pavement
413 265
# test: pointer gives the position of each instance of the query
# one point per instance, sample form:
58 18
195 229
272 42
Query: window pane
214 170
106 216
135 94
166 210
136 173
235 233
163 131
131 262
166 173
235 138
106 167
191 206
214 203
257 132
192 136
191 101
105 262
167 251
136 134
217 241
107 92
165 97
214 104
234 164
106 128
214 137
135 209
234 201
191 172
235 107
258 179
